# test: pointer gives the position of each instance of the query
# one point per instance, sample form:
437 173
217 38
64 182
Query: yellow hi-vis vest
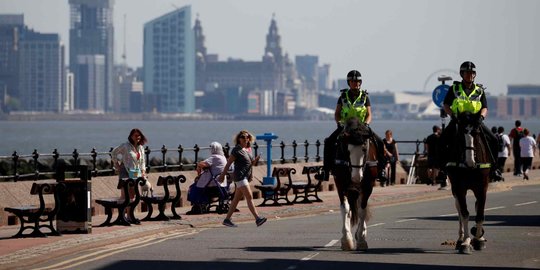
354 109
464 103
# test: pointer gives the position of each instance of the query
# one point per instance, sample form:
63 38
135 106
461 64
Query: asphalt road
406 236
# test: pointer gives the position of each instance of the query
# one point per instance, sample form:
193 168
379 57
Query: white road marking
310 256
331 243
406 220
375 225
525 203
494 208
448 215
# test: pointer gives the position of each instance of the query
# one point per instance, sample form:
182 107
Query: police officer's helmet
467 66
354 75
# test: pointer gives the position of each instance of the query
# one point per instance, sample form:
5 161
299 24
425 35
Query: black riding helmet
354 75
467 66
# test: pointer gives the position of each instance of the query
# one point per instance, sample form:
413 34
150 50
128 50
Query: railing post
282 146
180 152
256 149
15 166
294 145
226 149
163 154
112 165
197 149
147 153
306 157
35 156
93 154
318 157
55 156
75 156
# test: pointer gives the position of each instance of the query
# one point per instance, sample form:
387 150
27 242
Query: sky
396 44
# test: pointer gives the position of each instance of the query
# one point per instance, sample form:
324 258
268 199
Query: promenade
25 252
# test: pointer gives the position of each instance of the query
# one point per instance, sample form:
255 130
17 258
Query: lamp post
268 138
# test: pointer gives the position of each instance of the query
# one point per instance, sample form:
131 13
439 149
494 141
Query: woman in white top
212 166
528 147
129 160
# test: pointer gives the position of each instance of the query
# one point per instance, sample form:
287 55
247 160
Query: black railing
38 166
33 167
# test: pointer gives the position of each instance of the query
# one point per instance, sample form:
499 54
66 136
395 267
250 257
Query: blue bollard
268 180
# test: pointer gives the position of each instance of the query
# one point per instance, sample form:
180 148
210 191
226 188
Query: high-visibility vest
463 103
356 108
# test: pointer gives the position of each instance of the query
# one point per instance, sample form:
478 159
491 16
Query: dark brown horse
355 171
469 169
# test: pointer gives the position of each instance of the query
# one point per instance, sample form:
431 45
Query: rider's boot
496 175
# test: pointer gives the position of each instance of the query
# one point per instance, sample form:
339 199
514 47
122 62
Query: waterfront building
91 34
41 72
90 71
521 102
169 62
69 92
11 29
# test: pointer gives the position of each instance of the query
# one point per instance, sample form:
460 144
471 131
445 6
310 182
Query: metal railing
33 167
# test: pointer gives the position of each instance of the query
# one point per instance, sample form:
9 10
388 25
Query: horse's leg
480 193
459 190
363 209
346 238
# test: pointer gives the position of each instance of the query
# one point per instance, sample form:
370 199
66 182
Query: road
405 236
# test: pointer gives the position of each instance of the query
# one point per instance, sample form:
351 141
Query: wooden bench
38 213
162 200
280 191
122 203
303 190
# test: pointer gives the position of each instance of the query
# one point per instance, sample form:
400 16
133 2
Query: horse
469 169
355 171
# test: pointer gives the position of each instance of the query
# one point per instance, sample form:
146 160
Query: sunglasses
244 136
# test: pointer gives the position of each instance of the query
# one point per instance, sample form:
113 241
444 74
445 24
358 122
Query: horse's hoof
465 249
346 245
458 244
473 232
361 246
478 244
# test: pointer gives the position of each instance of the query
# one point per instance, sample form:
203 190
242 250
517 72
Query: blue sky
397 45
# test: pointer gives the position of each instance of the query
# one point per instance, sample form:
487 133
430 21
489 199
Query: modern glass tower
169 62
92 33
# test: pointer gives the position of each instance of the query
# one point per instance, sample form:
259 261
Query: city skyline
396 45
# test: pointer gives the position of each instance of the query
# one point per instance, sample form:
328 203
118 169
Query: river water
45 136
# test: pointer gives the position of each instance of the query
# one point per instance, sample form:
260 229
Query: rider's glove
480 119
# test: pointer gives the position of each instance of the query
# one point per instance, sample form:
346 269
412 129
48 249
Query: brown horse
469 170
354 172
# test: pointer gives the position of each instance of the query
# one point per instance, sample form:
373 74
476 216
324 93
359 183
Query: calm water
45 136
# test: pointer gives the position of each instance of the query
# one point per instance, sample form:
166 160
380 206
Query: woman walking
242 157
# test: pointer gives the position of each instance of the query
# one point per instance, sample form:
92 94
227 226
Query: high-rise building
11 29
90 83
92 33
169 61
41 72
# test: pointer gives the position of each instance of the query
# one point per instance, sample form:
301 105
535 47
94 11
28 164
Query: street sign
439 93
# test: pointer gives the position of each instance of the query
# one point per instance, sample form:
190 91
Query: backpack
500 142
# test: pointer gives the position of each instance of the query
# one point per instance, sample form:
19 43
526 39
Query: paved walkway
17 253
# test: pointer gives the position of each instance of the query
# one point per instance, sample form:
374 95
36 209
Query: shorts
242 183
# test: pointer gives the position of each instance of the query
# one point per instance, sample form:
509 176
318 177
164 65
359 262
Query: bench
303 190
38 213
162 200
122 203
280 191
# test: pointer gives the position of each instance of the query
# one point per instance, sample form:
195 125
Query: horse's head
467 122
356 132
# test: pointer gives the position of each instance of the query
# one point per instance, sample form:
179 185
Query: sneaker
227 222
260 221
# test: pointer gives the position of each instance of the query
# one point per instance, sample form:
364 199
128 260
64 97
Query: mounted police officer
353 102
468 97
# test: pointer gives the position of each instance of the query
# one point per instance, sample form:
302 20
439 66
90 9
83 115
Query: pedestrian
515 136
504 148
129 160
468 97
528 147
353 102
431 150
242 157
538 143
392 157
